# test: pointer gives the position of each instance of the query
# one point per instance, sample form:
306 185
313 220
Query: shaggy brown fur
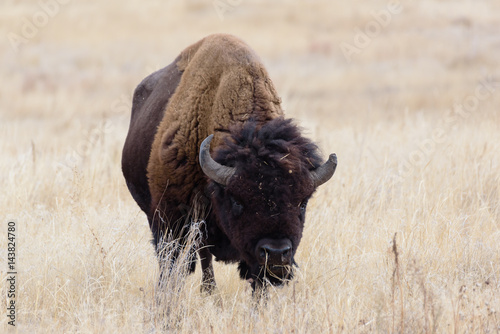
223 82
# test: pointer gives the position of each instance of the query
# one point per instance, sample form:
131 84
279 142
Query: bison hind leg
208 284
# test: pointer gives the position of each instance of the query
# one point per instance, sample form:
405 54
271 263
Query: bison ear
214 170
324 172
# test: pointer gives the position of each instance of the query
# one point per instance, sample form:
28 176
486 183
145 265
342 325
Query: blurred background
340 59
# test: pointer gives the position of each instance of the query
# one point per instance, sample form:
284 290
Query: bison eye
303 207
236 207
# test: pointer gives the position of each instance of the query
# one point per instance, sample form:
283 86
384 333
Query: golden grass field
413 115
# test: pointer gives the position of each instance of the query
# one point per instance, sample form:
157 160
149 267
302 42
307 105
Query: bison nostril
262 253
286 255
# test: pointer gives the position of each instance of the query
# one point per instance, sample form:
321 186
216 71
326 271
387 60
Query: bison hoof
208 287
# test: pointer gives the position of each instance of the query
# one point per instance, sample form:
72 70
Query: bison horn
324 172
214 170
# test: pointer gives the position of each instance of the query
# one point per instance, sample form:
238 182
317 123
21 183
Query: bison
216 99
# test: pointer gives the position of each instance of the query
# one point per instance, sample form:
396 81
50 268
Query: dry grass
405 238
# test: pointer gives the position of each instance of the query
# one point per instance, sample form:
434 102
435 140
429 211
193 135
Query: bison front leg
175 253
208 279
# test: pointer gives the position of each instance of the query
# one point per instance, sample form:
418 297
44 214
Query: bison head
261 180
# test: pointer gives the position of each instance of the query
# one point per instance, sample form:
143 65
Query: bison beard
257 184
